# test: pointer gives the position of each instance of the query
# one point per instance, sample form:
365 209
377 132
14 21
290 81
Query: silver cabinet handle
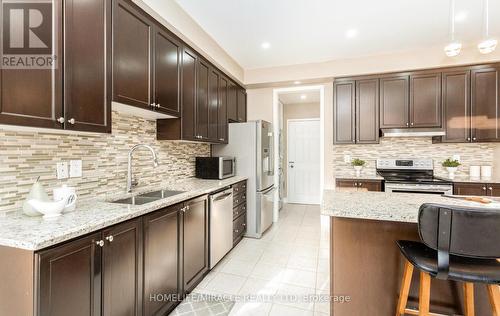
407 124
236 231
468 139
490 188
110 238
221 139
72 121
61 120
355 184
360 184
411 123
153 105
244 224
484 188
473 138
100 243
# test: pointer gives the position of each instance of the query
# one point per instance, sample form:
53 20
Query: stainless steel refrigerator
251 143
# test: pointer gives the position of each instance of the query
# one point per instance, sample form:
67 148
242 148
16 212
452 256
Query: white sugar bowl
68 194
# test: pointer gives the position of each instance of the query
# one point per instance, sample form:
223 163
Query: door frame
288 155
276 126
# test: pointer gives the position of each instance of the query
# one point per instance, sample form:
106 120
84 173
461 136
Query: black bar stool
459 244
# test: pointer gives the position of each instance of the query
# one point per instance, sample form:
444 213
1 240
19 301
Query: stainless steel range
412 176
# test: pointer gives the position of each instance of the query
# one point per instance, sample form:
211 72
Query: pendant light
452 49
488 44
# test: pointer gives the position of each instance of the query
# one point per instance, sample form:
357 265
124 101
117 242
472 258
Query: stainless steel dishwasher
221 225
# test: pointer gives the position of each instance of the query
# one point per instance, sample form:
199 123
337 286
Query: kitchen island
366 265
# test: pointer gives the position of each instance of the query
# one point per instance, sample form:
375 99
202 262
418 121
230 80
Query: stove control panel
405 164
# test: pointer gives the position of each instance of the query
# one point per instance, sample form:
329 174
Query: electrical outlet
62 170
456 157
347 158
75 168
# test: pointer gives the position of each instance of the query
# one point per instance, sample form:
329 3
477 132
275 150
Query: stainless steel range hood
412 132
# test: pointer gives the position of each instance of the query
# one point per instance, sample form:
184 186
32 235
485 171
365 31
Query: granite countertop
35 233
382 206
474 180
362 177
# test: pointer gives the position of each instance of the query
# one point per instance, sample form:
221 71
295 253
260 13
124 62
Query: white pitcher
66 193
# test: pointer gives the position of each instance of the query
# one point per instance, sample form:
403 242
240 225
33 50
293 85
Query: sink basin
148 197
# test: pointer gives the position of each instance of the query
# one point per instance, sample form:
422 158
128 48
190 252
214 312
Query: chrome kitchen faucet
131 182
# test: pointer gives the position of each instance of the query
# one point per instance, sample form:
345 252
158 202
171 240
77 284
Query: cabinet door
132 36
222 111
367 111
122 270
485 108
188 95
242 105
213 105
493 189
195 242
369 185
203 72
394 102
478 189
33 97
232 103
344 112
168 53
456 106
346 185
161 259
70 278
87 65
425 100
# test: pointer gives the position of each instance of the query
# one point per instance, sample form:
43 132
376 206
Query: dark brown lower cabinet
477 189
122 269
69 280
161 260
195 242
359 185
239 211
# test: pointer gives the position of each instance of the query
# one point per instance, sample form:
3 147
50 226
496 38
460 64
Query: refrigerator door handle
271 154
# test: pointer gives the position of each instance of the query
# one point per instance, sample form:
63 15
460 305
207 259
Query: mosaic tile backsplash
24 156
416 147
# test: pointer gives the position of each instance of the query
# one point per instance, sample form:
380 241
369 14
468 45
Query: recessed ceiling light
265 45
297 82
461 16
351 33
303 97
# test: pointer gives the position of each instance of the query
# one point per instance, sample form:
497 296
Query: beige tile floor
292 258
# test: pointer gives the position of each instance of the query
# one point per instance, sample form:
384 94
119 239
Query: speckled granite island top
35 233
382 206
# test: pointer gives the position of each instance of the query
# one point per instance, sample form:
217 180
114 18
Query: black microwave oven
215 167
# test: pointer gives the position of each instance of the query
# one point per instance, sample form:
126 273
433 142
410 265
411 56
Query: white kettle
68 194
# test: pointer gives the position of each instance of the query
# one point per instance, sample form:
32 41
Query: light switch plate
62 170
75 168
456 157
347 158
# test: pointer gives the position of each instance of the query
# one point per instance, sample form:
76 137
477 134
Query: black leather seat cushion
461 268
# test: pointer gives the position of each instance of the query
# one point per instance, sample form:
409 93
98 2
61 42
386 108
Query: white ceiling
296 97
304 31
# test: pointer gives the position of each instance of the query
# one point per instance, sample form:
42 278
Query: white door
303 161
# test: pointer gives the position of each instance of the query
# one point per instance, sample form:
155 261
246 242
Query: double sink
148 197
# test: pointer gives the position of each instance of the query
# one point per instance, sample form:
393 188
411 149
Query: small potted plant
358 165
451 166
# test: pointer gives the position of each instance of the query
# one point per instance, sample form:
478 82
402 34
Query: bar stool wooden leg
469 299
405 288
494 295
424 294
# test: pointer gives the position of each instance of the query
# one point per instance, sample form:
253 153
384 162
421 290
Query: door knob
110 238
72 121
61 120
100 243
158 105
153 105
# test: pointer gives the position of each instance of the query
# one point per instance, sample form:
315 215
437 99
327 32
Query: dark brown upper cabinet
242 105
161 258
456 106
232 102
202 105
195 242
367 111
69 278
147 61
82 100
189 95
122 269
213 105
394 102
425 100
485 120
344 108
132 43
167 80
222 129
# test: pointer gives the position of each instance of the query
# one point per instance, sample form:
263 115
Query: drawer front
239 199
239 210
239 227
240 187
